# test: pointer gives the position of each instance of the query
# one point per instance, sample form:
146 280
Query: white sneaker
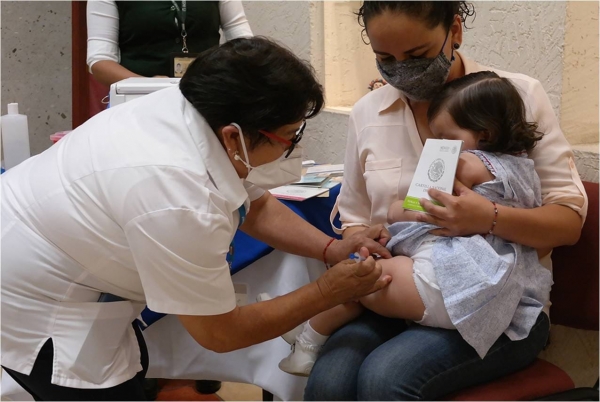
301 360
290 336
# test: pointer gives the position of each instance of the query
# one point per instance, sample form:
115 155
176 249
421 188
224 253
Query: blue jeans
378 358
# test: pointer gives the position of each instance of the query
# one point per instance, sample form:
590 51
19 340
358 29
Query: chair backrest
574 295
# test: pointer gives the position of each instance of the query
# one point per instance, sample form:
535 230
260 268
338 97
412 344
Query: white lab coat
141 201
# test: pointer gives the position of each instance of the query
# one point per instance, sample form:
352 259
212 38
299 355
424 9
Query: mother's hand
373 238
463 214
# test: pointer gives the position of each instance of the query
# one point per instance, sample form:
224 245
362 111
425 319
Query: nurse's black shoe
151 388
208 386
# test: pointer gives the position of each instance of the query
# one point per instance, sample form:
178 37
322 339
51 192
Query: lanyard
242 211
181 14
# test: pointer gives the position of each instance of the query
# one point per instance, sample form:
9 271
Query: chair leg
267 396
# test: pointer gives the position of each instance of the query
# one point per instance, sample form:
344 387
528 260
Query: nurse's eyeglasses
291 144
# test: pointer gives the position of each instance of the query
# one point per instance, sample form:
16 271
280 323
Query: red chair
574 304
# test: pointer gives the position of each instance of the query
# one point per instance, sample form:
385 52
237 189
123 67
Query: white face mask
280 172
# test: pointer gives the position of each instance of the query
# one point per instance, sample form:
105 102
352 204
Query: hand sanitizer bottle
15 137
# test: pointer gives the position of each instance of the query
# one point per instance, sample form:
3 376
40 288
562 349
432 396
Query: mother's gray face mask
418 79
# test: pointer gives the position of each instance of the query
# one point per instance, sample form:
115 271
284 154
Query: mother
377 358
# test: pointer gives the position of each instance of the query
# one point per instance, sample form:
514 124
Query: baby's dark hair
485 102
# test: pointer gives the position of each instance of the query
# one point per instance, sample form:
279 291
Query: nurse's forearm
275 224
257 322
108 72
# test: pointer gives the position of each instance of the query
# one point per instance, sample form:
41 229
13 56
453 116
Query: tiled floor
184 390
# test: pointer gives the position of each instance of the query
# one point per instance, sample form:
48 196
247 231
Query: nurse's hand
350 280
373 239
463 214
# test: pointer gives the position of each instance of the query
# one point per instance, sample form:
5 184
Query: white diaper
435 314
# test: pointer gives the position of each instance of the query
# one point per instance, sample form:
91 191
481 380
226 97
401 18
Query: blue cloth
381 359
490 286
315 210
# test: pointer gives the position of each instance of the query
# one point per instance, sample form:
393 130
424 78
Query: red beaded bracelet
325 252
491 231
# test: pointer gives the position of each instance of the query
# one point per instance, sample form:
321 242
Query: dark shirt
148 33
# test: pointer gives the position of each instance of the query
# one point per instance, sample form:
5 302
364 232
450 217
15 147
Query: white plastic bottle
15 137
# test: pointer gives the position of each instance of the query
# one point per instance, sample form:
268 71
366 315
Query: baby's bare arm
397 213
471 170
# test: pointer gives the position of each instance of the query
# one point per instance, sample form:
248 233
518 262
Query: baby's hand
397 213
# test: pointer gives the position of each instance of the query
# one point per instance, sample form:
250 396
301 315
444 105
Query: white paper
325 169
297 193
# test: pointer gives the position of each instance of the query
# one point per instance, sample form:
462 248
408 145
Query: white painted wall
523 37
579 103
286 21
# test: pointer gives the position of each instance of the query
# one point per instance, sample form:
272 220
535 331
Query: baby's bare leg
400 299
327 322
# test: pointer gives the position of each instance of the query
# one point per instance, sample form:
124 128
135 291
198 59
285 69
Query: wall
349 63
523 37
579 103
286 21
36 65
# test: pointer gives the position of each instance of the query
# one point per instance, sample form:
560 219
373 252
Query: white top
103 27
140 201
384 146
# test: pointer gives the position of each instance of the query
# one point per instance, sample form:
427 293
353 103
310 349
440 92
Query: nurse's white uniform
141 201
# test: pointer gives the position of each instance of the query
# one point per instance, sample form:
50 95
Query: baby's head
486 112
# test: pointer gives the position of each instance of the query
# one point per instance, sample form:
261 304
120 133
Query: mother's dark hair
253 82
433 13
484 102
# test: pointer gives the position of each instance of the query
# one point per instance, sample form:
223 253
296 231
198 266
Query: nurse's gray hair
255 83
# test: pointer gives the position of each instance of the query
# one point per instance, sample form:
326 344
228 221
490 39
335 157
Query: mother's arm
467 213
558 222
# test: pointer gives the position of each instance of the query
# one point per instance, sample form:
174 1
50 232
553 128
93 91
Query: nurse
139 206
